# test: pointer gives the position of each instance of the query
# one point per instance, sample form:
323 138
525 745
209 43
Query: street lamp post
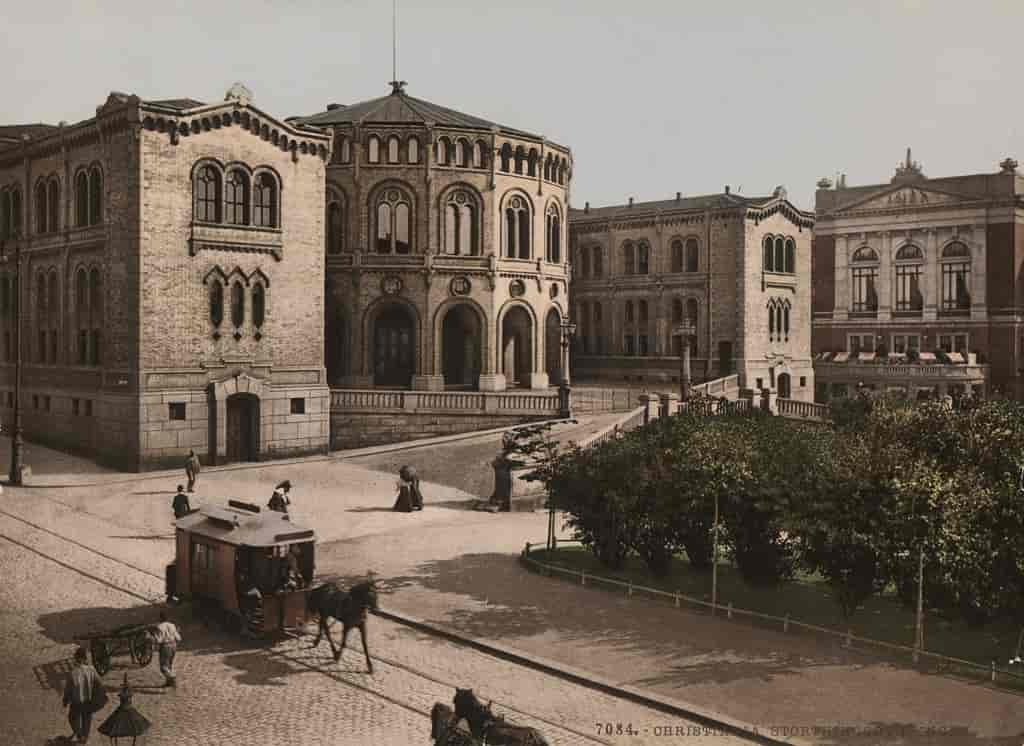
18 467
685 330
568 329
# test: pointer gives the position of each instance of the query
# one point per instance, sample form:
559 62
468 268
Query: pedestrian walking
286 491
180 503
167 638
84 695
192 469
409 474
277 501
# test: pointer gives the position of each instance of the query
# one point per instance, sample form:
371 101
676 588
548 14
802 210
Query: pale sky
653 97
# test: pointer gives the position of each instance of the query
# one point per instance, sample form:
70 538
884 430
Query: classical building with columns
171 282
445 258
736 268
917 283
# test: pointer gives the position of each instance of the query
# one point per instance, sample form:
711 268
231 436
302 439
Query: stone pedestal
492 382
537 380
428 383
669 404
652 406
769 400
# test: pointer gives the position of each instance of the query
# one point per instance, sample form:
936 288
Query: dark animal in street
491 728
350 608
446 730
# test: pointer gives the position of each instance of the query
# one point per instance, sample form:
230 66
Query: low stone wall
358 429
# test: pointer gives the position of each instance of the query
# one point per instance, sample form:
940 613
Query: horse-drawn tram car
251 570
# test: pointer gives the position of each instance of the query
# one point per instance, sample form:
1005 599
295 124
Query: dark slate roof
700 202
177 103
15 131
400 108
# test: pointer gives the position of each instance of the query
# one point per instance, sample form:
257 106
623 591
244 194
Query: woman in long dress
404 503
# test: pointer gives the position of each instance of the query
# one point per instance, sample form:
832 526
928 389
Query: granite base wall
359 429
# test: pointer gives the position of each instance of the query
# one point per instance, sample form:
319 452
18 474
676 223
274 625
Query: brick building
737 268
172 293
444 248
923 274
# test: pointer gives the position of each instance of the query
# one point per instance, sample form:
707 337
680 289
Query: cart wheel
100 656
141 647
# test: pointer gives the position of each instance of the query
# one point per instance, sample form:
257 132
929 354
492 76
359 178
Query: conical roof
400 108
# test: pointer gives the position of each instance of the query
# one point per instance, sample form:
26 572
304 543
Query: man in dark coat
83 691
192 469
180 503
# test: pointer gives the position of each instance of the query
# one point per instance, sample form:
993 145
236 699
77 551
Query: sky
653 97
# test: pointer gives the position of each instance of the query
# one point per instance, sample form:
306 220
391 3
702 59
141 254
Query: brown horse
493 729
328 602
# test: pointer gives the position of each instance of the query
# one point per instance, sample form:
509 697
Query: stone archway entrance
784 385
394 347
517 347
461 349
242 436
553 346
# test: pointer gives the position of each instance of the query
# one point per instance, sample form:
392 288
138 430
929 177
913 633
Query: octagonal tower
445 249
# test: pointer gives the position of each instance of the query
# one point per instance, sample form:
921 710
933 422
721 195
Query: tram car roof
244 524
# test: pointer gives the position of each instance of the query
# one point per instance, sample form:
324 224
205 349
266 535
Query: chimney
726 188
630 201
679 196
586 208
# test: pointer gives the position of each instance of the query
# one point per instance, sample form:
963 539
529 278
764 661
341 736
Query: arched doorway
784 387
394 347
461 336
242 437
553 346
517 347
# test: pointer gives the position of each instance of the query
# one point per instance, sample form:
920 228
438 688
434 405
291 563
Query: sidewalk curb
706 718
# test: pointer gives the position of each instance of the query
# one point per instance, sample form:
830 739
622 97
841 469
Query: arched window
563 171
53 299
374 149
82 199
643 258
394 224
216 302
346 150
41 316
547 167
237 304
5 214
520 158
461 224
780 254
531 162
95 315
584 262
517 228
956 277
909 265
392 149
677 311
264 201
82 315
442 151
15 212
642 311
785 321
480 159
413 146
771 320
41 212
95 196
236 197
506 156
692 310
677 256
206 194
629 312
864 275
790 256
692 255
337 222
259 300
628 259
553 231
769 254
464 153
53 203
598 332
598 262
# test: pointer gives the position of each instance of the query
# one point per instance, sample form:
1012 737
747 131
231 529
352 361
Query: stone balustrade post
651 404
670 404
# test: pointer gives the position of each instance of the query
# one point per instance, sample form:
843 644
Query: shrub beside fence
995 673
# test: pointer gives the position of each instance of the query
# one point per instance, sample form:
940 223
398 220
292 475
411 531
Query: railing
804 410
942 371
588 400
630 421
718 386
349 400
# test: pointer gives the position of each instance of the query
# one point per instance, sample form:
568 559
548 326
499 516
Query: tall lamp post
568 329
18 467
685 330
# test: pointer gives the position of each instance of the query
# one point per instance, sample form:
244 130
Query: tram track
293 656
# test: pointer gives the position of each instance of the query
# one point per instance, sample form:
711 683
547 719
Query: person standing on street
180 505
167 638
84 695
192 469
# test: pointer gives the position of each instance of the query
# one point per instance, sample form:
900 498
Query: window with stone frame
692 255
259 307
461 228
5 213
506 156
790 267
237 304
584 262
643 258
517 224
41 211
642 311
53 301
677 256
41 317
481 155
393 217
82 315
216 298
95 196
53 204
628 312
393 148
553 225
956 277
864 276
373 149
598 262
412 149
96 320
15 221
909 267
628 258
206 194
598 329
336 222
265 201
236 197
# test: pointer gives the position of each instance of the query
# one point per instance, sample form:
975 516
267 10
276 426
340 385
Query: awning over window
866 356
841 357
955 357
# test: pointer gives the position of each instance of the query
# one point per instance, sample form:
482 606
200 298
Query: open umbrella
125 721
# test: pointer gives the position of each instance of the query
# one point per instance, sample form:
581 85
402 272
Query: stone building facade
738 269
924 271
445 249
172 292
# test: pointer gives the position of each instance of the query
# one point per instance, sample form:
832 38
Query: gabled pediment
902 196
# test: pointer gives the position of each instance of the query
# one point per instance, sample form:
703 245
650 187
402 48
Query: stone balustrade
874 372
501 402
803 410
